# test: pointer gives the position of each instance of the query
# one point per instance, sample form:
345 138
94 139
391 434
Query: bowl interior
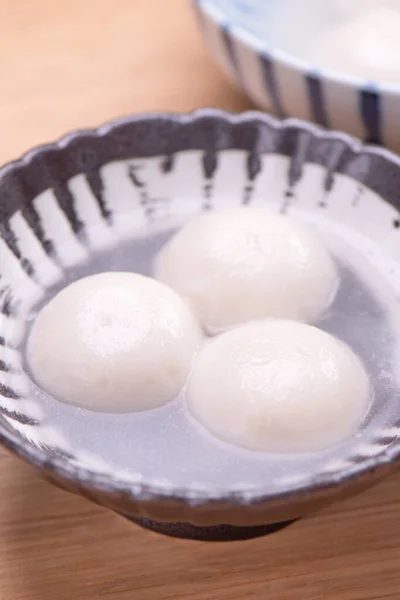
284 25
113 208
289 28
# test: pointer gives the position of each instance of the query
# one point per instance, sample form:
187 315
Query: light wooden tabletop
65 65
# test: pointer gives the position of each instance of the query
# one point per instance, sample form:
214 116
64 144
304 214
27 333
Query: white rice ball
114 342
278 386
245 263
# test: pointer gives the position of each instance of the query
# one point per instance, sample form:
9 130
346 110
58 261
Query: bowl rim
258 45
61 468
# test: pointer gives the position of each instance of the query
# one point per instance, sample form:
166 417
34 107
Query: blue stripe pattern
231 52
367 98
271 84
316 98
370 109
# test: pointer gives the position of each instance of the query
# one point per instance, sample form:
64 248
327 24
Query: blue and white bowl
65 206
287 86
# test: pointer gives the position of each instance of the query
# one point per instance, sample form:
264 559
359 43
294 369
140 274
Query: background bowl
62 204
288 86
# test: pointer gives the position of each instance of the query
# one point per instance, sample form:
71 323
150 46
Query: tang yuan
278 386
114 342
242 264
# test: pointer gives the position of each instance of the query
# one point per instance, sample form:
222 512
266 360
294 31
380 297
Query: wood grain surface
65 65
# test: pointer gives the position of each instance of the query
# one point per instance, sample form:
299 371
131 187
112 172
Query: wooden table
66 65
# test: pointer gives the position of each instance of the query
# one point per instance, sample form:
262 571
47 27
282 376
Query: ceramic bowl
287 86
68 208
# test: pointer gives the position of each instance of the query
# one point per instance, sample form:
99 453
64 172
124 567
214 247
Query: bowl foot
214 533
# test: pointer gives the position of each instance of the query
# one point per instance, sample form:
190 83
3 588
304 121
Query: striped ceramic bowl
67 207
289 87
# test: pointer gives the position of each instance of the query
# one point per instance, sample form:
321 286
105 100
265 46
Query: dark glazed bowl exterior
164 135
